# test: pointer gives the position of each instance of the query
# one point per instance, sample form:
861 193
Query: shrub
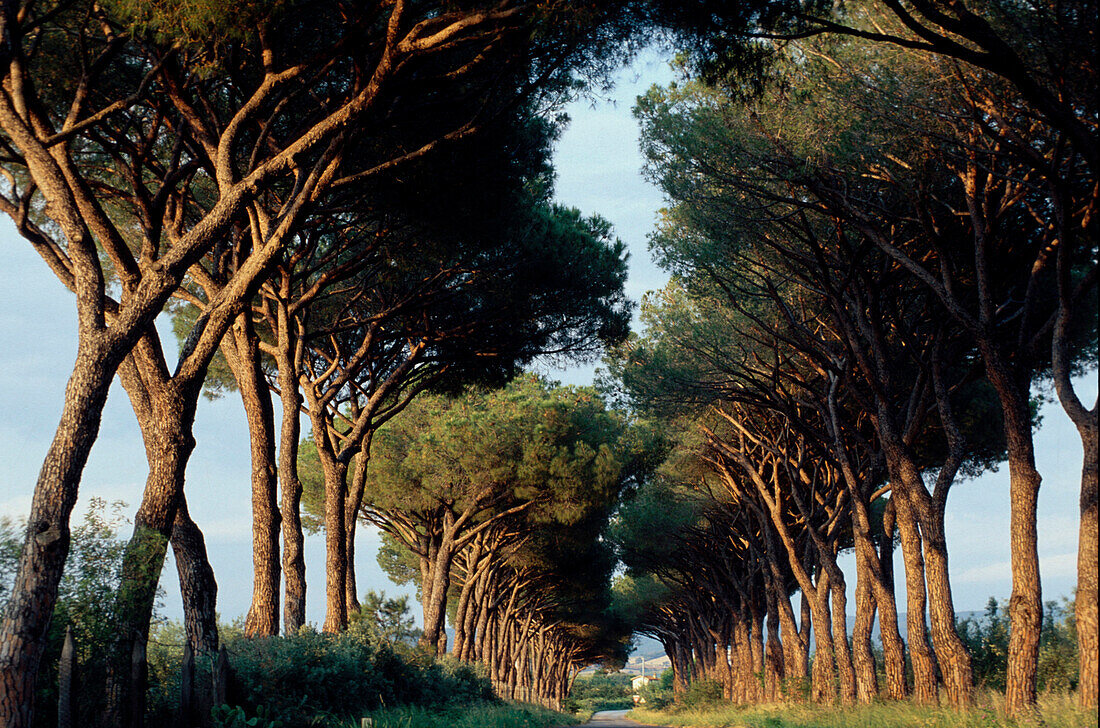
600 691
85 602
987 639
312 678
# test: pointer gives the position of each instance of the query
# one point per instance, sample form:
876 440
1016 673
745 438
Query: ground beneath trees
615 719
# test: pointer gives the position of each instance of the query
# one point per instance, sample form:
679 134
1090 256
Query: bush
312 678
85 602
987 639
701 693
658 694
600 691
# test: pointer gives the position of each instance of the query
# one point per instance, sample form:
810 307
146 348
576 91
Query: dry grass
1055 711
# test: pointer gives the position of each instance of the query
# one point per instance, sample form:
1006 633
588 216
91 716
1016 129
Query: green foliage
384 621
86 602
193 21
398 563
600 691
986 638
488 715
226 716
553 447
701 693
658 694
312 676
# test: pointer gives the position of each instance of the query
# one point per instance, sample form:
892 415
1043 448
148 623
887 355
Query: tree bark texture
242 350
198 587
34 594
893 647
1025 606
920 648
289 352
1085 602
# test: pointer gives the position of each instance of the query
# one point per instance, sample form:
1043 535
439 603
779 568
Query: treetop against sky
598 170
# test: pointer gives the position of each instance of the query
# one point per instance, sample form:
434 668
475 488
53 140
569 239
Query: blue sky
599 172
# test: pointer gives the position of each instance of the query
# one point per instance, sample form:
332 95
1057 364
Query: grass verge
1055 711
506 715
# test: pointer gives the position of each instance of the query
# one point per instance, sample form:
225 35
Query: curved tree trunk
42 559
920 648
862 657
169 443
336 563
243 355
351 522
953 655
1025 607
1085 602
197 584
288 355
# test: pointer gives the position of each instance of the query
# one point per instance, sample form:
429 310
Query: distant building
636 684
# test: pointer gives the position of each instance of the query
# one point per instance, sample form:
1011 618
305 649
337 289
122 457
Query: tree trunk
823 677
774 674
1085 601
244 358
893 648
66 681
863 658
846 674
757 636
42 559
920 649
953 655
169 444
336 563
434 589
1025 608
1088 428
351 521
198 587
288 356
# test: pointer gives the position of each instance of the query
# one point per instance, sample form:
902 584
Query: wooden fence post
66 681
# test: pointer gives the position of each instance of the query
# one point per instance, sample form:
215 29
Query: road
615 719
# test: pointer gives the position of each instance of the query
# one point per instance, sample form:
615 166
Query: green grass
1056 711
471 716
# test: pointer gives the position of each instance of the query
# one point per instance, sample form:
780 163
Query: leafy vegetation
600 691
501 715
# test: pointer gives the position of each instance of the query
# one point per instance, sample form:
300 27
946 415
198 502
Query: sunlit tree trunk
242 350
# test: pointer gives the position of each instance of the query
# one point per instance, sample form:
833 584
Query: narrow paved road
615 719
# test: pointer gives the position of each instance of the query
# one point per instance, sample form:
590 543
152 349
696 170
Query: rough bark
336 564
198 587
1088 428
169 444
862 657
1025 607
893 647
1085 603
920 648
351 521
242 350
288 357
34 594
